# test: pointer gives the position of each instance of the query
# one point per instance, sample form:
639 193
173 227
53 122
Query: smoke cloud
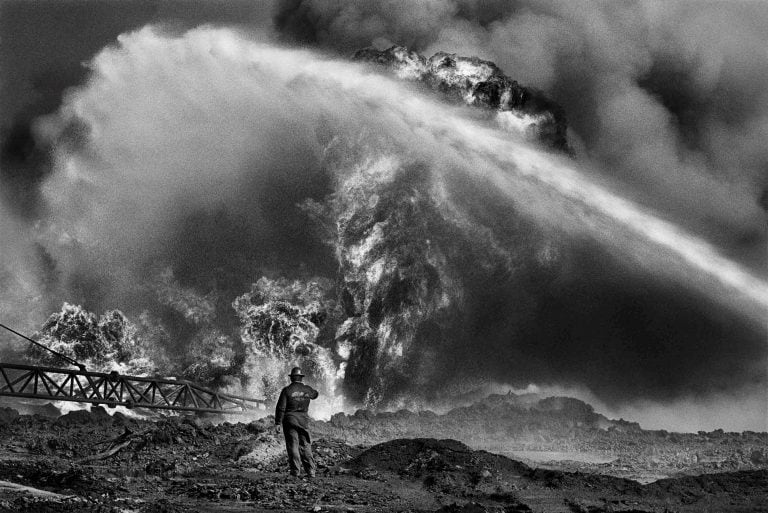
222 158
665 98
177 143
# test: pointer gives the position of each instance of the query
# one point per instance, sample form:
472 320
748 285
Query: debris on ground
94 461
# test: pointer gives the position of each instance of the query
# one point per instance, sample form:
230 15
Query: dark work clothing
293 404
299 447
291 412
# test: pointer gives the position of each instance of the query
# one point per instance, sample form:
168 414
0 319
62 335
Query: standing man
291 413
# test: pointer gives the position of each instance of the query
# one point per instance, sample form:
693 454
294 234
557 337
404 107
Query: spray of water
634 232
212 119
553 190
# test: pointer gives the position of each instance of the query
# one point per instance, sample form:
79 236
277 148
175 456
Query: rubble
8 415
93 461
513 425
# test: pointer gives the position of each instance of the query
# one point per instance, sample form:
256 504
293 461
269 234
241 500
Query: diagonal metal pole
64 357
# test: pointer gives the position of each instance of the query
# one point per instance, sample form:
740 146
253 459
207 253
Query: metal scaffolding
113 389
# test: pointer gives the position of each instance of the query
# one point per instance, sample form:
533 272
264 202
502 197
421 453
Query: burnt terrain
94 461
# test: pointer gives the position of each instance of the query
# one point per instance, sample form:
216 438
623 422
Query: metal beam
114 389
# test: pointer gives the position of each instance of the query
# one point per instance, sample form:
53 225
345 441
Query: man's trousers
299 447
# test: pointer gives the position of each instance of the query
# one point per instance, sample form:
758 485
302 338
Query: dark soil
98 462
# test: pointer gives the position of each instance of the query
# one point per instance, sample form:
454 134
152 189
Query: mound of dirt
8 415
549 431
693 488
475 507
419 456
97 415
493 483
448 467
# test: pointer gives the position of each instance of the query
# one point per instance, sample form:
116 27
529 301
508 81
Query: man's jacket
293 404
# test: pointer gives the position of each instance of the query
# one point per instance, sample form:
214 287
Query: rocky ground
91 461
562 433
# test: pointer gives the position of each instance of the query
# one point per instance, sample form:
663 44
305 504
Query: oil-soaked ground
95 462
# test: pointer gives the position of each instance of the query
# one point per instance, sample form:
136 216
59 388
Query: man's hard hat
296 372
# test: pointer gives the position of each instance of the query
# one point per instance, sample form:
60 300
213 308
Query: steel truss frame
114 389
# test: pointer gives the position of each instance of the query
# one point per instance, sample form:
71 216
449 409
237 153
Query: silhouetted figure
291 413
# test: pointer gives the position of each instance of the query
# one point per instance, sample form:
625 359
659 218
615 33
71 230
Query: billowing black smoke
666 98
182 170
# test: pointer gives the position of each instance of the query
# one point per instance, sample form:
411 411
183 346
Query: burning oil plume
227 159
189 167
663 99
665 96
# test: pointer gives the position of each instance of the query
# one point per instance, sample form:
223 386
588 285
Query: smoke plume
187 167
665 98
